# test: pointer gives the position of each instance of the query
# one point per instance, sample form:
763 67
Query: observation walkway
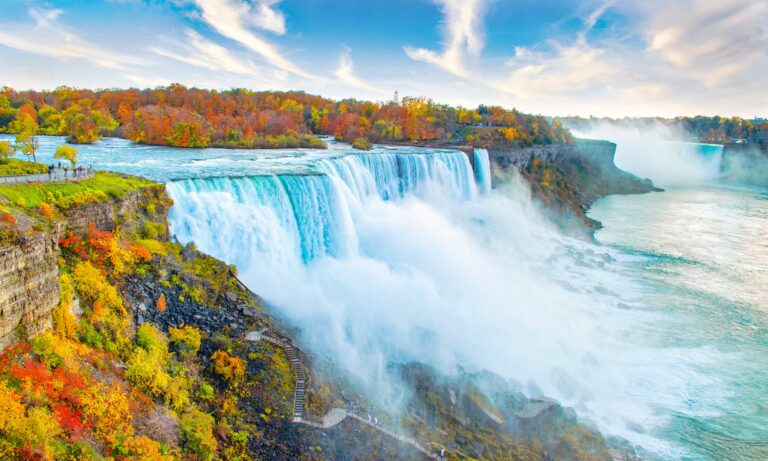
56 176
337 415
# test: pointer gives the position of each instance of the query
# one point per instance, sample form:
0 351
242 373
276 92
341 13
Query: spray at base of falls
660 154
395 258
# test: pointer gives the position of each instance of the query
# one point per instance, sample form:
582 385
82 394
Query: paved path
337 415
56 176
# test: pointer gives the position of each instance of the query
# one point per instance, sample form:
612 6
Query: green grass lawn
16 167
102 186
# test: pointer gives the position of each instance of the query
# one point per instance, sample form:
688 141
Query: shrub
187 339
108 410
362 144
154 247
143 448
197 434
149 230
46 210
64 322
161 303
231 368
8 219
140 253
11 410
151 339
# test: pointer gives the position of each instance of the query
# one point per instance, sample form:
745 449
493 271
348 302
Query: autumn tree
25 127
6 149
67 153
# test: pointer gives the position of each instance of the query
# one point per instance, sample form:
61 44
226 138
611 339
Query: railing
336 415
56 176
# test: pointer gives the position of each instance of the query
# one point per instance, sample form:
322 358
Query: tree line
189 117
713 130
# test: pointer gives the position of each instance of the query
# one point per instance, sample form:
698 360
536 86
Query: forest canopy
188 117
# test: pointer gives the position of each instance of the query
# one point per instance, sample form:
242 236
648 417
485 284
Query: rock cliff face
568 178
29 287
112 213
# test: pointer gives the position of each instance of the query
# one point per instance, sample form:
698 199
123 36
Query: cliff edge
568 178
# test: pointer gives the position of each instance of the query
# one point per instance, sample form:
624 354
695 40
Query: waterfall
399 256
482 170
273 218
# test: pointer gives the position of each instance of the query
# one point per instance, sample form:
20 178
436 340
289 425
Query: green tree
68 153
6 149
25 127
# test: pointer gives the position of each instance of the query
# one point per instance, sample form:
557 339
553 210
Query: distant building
396 99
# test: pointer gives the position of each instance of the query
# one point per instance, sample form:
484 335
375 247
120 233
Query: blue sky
559 57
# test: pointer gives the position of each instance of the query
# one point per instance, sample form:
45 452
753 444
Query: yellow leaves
45 210
510 134
109 411
197 434
231 368
93 286
142 448
68 153
118 256
148 368
187 339
40 426
11 410
547 178
65 323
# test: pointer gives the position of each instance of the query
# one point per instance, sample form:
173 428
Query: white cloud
345 72
462 35
564 70
207 54
717 43
268 18
232 19
51 38
563 67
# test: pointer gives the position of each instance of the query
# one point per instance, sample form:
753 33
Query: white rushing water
396 258
660 154
400 254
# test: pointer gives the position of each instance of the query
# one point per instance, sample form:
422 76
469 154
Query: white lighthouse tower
396 99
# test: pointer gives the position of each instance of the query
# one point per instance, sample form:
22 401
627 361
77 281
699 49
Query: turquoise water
660 335
701 254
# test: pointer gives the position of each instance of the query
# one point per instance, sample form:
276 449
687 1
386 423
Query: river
659 334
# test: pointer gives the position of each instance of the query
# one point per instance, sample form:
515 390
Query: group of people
76 172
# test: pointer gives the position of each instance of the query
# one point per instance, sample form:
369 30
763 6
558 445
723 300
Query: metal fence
56 176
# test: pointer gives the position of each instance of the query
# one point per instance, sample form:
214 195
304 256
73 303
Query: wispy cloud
200 52
463 34
562 66
269 18
714 42
51 38
346 72
234 18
